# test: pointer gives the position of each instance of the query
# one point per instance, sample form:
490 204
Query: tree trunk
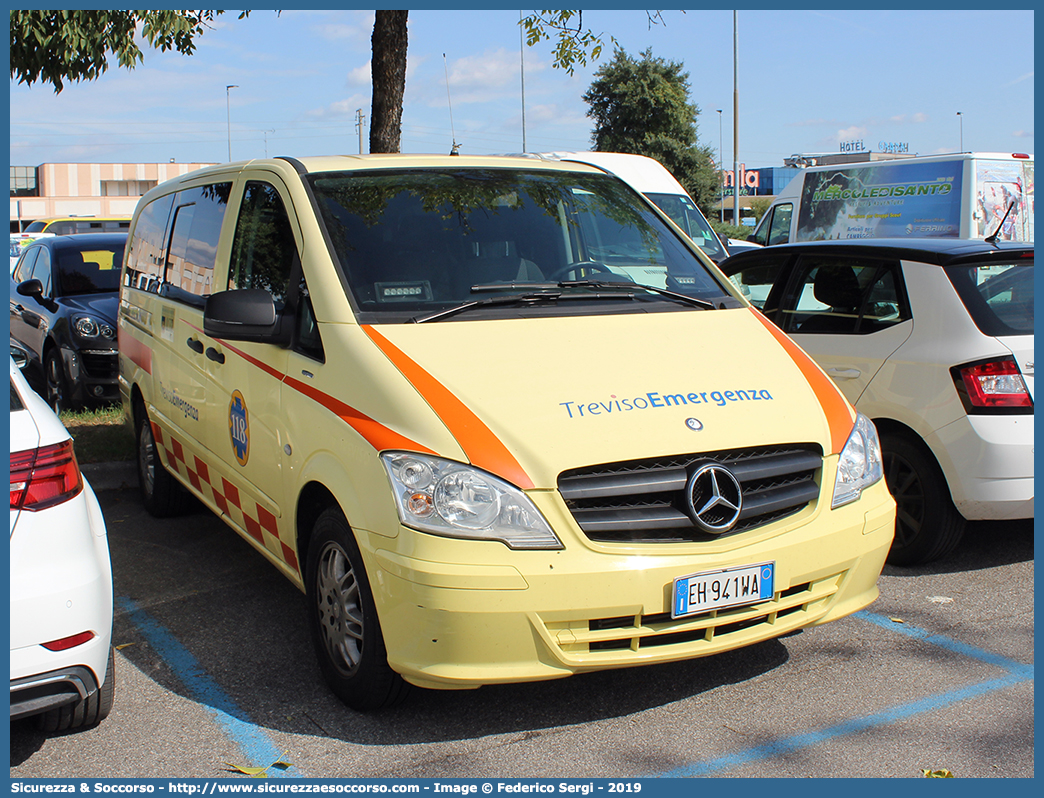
388 70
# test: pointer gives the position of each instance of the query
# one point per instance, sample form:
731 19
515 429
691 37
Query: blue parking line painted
1017 673
257 747
940 640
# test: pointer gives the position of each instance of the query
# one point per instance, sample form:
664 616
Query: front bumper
453 620
93 374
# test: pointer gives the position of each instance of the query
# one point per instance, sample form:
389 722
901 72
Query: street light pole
959 114
721 173
228 117
735 119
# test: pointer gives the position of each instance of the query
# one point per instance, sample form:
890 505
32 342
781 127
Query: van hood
529 398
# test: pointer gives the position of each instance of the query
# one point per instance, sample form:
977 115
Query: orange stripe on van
483 448
373 432
376 434
839 414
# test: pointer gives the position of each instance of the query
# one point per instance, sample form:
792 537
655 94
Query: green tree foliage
55 46
642 106
574 43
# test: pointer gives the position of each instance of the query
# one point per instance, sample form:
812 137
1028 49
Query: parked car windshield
417 242
95 271
998 296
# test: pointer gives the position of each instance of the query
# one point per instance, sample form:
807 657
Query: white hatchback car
61 578
933 340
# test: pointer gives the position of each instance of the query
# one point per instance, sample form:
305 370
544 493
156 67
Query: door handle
214 355
195 345
843 374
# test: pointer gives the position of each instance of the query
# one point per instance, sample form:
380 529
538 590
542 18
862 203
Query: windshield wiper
611 285
548 293
615 286
513 299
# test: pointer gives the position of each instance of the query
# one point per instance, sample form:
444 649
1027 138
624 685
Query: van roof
342 163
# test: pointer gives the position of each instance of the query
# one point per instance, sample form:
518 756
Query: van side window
844 296
195 232
145 252
263 249
779 228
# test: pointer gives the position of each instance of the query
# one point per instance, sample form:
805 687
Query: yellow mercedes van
496 417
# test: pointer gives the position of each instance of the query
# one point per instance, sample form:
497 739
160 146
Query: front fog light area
859 466
457 500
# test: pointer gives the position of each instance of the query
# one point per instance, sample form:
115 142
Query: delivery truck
964 195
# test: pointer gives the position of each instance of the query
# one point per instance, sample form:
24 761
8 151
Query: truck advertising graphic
998 184
882 201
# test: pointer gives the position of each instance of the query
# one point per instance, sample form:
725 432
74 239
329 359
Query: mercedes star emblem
715 498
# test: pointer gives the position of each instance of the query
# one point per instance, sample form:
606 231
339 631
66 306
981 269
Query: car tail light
69 642
44 477
992 386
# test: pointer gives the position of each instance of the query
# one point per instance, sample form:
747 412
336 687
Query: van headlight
457 500
860 463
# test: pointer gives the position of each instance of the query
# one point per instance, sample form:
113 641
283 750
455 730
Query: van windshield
416 242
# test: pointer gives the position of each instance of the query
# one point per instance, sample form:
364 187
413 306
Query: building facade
85 189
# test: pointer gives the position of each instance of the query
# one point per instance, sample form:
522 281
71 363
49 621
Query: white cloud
360 76
346 107
337 32
1023 134
851 132
1020 79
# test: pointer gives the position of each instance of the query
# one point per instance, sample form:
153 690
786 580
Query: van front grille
645 501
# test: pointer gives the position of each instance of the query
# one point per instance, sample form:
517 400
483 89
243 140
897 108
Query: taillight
992 386
44 477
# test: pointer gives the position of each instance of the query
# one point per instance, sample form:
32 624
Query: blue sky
808 80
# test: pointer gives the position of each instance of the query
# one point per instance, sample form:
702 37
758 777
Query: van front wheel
343 620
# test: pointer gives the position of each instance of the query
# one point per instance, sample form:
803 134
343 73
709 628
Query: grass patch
99 434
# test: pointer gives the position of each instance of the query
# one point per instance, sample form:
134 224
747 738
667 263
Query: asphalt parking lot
215 672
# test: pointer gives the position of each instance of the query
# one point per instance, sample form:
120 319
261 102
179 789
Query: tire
161 494
343 620
56 387
90 711
927 524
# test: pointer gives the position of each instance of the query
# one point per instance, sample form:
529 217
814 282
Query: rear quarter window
998 296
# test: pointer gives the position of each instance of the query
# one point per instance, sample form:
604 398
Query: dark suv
64 296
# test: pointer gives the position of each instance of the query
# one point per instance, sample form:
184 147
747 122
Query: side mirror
249 314
19 354
33 288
